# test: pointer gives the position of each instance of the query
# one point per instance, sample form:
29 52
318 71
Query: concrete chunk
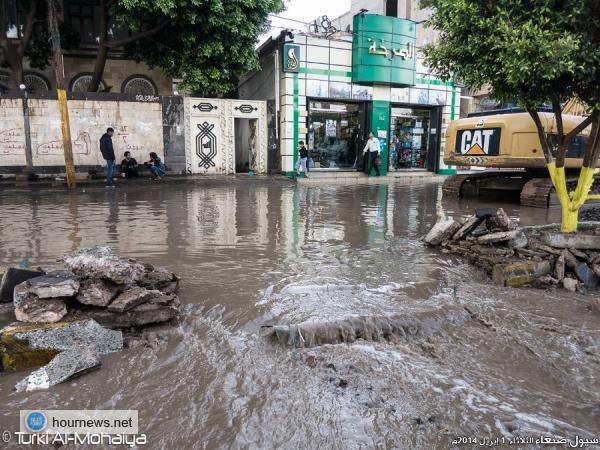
502 236
53 286
100 263
12 277
30 308
441 231
131 298
520 273
499 221
97 292
65 366
29 346
572 240
467 227
586 275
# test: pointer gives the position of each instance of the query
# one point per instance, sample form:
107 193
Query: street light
28 157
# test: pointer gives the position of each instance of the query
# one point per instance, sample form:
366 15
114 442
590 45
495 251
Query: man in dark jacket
108 153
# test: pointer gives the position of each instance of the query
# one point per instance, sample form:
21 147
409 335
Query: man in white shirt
373 148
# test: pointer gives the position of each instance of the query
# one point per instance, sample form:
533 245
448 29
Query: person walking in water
302 163
373 148
108 153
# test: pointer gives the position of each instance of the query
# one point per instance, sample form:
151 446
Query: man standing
373 148
108 153
302 164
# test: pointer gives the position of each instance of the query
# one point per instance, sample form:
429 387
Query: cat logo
478 142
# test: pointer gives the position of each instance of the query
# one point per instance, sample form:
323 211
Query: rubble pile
65 309
540 256
95 284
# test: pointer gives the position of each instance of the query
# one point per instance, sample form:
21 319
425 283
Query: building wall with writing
12 135
138 129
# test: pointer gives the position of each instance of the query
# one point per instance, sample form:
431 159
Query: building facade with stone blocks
82 18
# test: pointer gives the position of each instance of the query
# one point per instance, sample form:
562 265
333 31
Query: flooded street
514 362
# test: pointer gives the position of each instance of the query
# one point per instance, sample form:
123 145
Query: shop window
409 140
333 135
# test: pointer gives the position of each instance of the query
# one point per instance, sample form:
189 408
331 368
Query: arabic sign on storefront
383 50
291 58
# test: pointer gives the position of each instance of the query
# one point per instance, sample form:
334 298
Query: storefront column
379 122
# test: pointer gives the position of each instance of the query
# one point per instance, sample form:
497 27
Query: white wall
138 129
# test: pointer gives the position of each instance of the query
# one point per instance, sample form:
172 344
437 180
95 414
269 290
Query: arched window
81 81
36 82
139 85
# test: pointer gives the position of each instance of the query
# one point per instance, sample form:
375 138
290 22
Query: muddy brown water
518 362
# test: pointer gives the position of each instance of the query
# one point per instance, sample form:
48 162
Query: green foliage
209 44
532 51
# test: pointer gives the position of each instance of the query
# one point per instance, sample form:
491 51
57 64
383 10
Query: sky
305 11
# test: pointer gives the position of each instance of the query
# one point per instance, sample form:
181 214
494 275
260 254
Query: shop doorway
335 134
414 142
245 144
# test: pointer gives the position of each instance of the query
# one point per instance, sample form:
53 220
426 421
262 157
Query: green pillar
379 120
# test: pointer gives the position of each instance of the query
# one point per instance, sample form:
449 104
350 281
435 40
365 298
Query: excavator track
534 191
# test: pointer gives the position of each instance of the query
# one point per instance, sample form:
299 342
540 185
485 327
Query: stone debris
441 231
94 283
100 263
131 298
30 308
65 366
513 256
11 277
97 292
53 286
68 306
27 346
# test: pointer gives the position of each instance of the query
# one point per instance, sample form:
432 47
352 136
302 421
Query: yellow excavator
506 143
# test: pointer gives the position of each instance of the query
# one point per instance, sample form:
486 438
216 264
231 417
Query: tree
533 52
207 43
29 38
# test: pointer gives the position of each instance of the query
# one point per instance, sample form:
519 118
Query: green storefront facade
332 90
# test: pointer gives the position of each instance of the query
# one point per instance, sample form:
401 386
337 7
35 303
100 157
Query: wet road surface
498 361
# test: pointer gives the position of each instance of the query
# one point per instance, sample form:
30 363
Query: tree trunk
99 66
102 54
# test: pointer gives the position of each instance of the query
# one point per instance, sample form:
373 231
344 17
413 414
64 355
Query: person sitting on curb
156 166
129 166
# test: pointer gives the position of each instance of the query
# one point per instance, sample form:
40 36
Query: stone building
120 75
338 80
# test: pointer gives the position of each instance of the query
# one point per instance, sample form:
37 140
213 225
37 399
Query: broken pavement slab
441 231
12 277
131 298
28 346
467 227
97 292
30 308
64 366
53 286
520 273
100 263
499 221
572 240
587 276
501 236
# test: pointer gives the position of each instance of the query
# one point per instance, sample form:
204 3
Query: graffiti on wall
11 142
82 145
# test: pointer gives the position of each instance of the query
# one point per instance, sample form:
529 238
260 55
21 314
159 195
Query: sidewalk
83 182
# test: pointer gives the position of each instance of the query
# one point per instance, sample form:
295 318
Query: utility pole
28 154
59 72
